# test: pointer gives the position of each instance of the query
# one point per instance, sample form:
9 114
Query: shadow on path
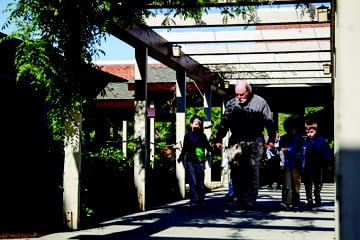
218 219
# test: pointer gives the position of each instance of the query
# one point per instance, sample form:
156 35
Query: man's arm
269 124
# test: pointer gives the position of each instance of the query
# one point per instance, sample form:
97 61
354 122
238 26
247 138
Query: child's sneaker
284 206
229 197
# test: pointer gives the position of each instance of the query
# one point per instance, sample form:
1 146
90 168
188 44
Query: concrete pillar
140 126
347 118
180 125
152 137
72 171
225 143
207 131
124 137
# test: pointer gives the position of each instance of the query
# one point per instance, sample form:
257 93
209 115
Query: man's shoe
309 204
237 207
249 207
245 206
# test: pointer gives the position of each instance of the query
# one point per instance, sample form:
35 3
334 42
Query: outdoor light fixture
176 50
323 13
226 84
326 69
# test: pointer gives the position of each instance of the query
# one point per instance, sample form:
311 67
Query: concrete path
218 219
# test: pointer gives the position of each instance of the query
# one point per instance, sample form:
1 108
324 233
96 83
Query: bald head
242 90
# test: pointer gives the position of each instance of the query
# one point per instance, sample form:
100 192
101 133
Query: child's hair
194 117
291 123
310 123
197 117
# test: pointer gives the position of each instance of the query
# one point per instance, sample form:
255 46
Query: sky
116 50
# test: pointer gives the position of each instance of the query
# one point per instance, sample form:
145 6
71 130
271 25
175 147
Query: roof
285 47
115 90
281 55
160 78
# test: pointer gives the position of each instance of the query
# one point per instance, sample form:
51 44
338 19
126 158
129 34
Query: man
246 115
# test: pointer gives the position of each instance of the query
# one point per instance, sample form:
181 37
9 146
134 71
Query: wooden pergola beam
159 49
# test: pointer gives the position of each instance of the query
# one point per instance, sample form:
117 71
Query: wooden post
180 125
72 170
151 116
207 131
140 126
124 137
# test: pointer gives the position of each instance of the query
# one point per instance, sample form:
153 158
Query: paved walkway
218 220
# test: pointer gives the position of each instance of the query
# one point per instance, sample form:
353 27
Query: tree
59 39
